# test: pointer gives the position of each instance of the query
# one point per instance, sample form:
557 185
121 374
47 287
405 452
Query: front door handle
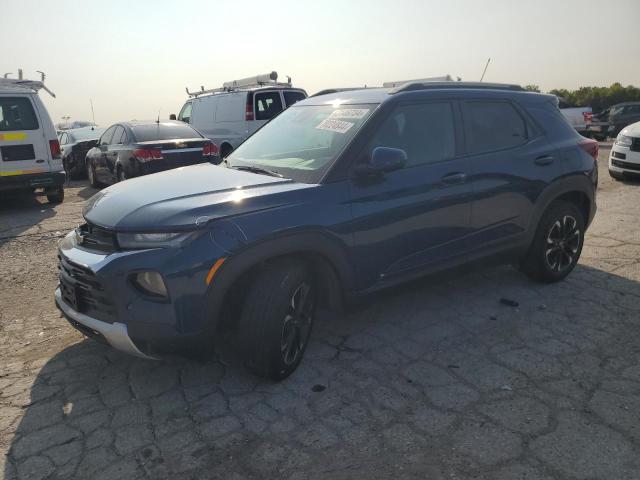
454 178
544 160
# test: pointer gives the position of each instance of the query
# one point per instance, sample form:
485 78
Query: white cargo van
30 156
228 115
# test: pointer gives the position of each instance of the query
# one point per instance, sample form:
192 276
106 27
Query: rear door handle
454 178
544 160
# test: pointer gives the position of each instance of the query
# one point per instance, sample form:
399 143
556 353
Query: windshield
303 141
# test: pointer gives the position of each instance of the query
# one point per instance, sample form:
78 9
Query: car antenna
93 115
485 69
158 120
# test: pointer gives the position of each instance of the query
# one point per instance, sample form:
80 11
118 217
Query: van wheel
276 319
55 194
91 175
557 243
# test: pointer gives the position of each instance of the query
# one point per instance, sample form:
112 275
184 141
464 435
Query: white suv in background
30 156
228 115
625 152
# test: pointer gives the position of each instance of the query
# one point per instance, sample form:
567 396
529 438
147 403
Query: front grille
626 165
83 292
96 238
635 144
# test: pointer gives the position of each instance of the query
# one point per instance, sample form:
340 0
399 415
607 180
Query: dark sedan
75 143
132 149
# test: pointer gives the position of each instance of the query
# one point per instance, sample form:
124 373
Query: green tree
532 88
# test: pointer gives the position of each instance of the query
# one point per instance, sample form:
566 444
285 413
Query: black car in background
132 149
622 115
75 143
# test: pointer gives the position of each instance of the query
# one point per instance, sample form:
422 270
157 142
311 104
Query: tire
616 175
91 175
277 318
557 244
225 150
55 194
121 175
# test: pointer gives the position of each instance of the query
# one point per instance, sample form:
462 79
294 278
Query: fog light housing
151 283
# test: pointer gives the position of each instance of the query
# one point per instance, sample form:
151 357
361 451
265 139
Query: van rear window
16 113
268 105
163 131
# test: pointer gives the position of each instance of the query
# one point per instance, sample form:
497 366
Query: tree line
598 98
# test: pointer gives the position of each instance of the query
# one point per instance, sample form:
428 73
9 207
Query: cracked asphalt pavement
434 380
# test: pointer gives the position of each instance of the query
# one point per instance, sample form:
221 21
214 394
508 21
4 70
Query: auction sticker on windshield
352 113
334 125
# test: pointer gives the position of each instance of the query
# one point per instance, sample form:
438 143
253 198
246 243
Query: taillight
248 113
146 154
210 150
588 117
54 146
591 147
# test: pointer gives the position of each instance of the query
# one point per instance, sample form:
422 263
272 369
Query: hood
179 199
632 130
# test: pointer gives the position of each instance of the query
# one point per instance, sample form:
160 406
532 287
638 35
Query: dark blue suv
339 196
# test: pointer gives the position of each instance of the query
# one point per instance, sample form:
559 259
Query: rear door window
491 126
268 105
293 96
17 113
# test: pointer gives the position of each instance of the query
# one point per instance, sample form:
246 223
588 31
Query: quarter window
425 132
268 105
493 126
17 113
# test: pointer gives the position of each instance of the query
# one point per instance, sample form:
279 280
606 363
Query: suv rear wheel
557 244
276 319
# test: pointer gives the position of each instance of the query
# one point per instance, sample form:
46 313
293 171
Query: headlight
152 240
623 140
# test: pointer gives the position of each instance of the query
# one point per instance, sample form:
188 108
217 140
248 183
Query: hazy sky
135 57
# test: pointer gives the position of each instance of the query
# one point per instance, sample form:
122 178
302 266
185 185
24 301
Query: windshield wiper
254 169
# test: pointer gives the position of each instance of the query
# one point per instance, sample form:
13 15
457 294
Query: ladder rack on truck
264 80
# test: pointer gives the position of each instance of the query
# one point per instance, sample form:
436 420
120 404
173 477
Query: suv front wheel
277 317
557 244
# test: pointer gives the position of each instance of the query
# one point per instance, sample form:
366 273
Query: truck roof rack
34 85
263 80
410 87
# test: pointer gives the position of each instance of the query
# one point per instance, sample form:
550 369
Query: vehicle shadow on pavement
21 211
436 380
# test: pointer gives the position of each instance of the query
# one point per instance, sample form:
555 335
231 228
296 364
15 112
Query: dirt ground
437 380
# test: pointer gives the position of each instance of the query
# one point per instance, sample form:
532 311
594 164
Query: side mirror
172 116
383 160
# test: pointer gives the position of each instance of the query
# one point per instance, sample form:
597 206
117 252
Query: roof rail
34 85
410 87
397 83
263 80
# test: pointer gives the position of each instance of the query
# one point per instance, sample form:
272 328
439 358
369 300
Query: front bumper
624 160
97 294
115 334
31 180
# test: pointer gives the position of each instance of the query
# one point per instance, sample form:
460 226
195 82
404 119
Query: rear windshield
83 134
16 113
163 131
